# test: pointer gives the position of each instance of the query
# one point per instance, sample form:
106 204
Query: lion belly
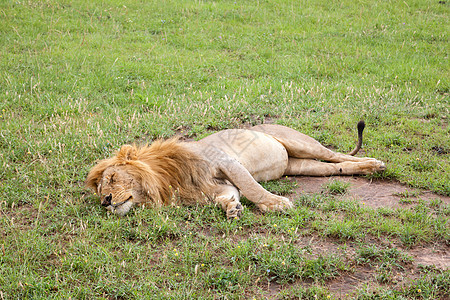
262 155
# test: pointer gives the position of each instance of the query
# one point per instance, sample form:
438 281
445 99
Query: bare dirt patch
431 255
373 193
344 285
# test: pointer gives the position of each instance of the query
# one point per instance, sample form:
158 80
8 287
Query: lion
221 168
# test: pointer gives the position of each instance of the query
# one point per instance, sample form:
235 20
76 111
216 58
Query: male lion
220 168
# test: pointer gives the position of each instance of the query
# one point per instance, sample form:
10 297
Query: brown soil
373 193
343 286
437 255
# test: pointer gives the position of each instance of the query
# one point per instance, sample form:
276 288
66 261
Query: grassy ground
79 79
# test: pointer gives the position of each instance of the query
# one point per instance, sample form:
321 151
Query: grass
284 186
336 187
78 79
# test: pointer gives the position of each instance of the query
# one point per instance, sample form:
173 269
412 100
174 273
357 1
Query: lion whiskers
122 196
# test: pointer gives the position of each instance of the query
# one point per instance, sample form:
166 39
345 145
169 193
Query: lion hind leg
311 167
228 197
300 145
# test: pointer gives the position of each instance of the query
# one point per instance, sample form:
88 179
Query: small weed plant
336 187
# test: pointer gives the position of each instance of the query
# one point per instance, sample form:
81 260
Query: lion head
119 190
152 175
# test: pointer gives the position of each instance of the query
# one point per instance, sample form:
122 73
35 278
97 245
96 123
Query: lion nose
107 200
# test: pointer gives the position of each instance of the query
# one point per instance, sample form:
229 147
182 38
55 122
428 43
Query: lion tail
360 126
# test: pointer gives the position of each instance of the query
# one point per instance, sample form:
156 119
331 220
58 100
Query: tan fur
219 167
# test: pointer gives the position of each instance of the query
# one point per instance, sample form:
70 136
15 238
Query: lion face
119 190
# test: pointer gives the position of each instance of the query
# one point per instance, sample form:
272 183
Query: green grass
78 79
336 187
284 186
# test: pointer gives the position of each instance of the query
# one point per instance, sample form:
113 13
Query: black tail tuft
361 125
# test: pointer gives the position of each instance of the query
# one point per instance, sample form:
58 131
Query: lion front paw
234 210
275 203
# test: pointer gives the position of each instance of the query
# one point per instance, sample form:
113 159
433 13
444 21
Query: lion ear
127 152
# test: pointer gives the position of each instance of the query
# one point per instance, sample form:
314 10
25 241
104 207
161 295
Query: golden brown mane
167 170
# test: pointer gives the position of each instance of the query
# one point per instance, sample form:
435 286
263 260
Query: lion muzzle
107 200
114 201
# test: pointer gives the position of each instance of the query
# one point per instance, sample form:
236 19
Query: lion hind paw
374 166
380 166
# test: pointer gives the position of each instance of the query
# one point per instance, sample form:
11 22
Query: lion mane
167 170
